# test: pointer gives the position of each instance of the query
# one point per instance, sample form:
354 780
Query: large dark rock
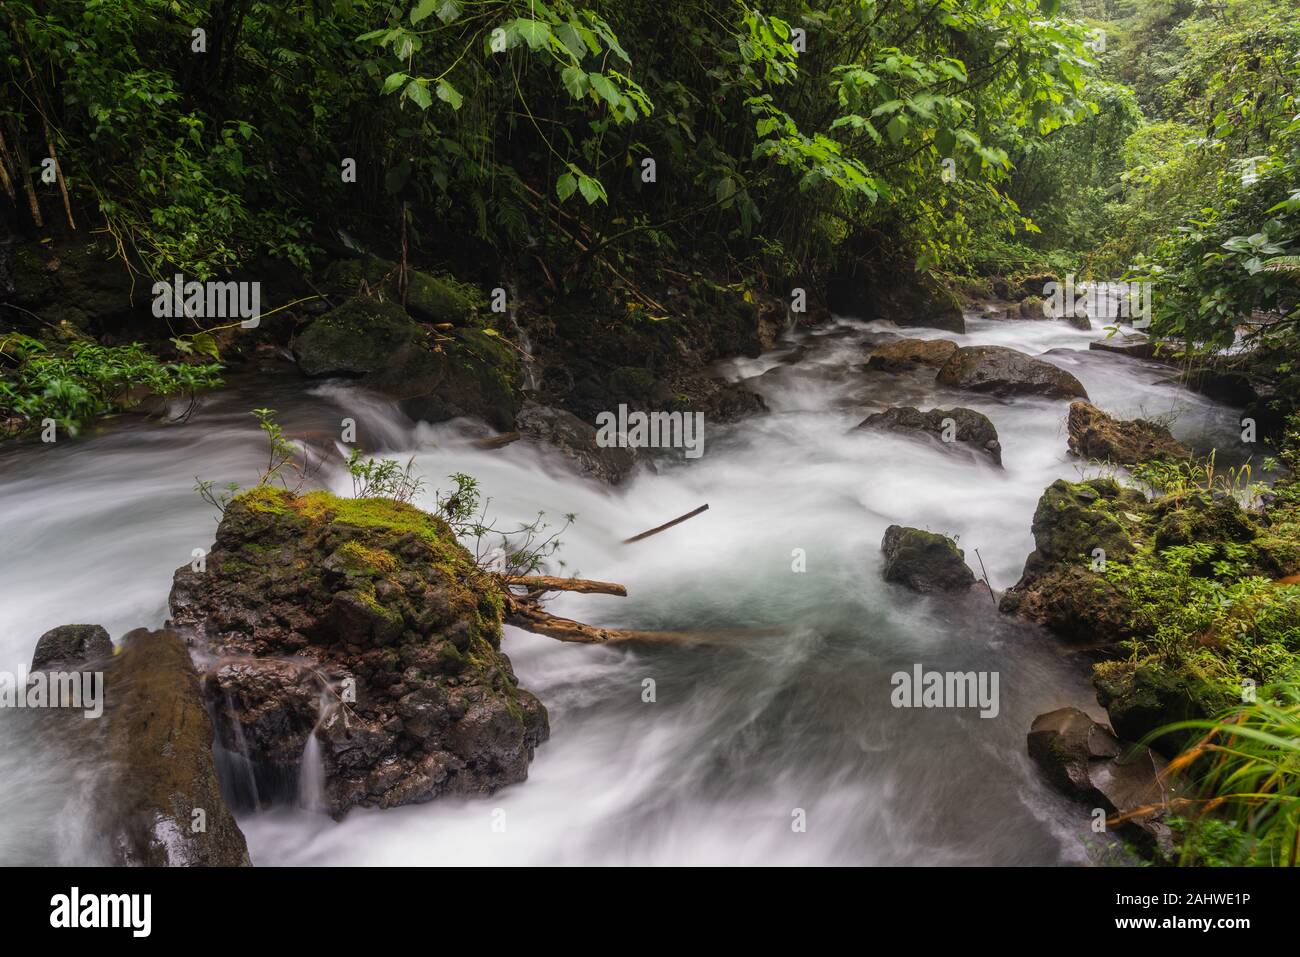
467 372
947 426
924 561
1084 760
363 624
896 293
68 646
909 353
1002 371
1096 435
360 336
576 439
430 298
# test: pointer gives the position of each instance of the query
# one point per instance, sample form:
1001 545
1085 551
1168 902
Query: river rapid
788 721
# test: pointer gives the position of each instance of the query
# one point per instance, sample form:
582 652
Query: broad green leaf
449 94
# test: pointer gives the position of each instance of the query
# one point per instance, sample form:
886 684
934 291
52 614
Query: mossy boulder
1078 526
364 624
435 375
1146 695
924 561
360 336
430 297
1096 435
77 288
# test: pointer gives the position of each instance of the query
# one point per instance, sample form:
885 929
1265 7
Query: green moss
373 561
265 500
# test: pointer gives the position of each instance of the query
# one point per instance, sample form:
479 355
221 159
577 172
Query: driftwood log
525 611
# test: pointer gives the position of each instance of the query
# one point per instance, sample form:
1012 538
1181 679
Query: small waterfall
311 770
532 378
234 767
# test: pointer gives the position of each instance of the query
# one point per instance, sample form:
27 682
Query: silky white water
745 738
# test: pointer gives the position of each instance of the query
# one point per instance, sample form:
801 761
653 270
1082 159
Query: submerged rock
924 561
1084 760
364 625
948 426
1002 371
909 353
1097 435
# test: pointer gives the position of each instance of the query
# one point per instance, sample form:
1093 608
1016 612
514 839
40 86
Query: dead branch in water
666 525
586 586
530 617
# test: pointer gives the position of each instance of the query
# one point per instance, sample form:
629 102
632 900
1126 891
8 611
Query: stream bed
746 737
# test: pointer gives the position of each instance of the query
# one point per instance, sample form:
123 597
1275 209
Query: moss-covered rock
436 376
363 623
360 336
77 288
430 297
1096 435
1141 697
1078 526
924 561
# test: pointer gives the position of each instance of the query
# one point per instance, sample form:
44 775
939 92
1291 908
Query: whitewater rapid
744 737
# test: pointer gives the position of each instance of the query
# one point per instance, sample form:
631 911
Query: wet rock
429 298
1031 307
360 336
1141 697
1002 371
1084 760
1076 526
576 439
363 623
1097 435
947 426
894 293
166 807
68 646
909 353
924 561
467 372
1127 344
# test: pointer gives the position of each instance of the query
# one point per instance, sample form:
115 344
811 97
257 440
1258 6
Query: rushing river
743 734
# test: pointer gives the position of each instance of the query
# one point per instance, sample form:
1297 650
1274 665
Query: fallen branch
584 585
666 525
529 617
496 441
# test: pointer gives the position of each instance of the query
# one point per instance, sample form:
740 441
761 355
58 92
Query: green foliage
1247 768
382 478
80 382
